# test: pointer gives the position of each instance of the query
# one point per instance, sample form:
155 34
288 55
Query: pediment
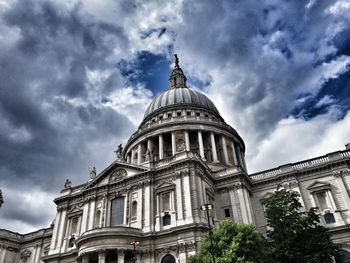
318 186
116 172
165 186
75 210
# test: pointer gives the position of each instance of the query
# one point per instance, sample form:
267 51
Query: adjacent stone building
147 202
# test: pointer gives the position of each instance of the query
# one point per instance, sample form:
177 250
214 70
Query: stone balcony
118 237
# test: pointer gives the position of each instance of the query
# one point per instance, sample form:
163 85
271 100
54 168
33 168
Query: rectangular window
166 220
322 202
227 212
117 211
188 113
169 115
166 201
178 114
329 218
74 227
198 114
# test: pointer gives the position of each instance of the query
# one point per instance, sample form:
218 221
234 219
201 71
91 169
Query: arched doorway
342 256
168 259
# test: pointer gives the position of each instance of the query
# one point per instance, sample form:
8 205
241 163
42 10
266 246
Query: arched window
117 211
342 256
168 259
133 210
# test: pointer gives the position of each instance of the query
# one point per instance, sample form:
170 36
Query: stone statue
147 155
93 172
181 147
119 152
176 61
67 184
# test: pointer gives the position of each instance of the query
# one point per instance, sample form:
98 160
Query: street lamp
207 207
135 242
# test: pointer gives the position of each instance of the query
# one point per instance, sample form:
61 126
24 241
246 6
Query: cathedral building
146 205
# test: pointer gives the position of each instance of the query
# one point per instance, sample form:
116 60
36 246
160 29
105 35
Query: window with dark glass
329 218
166 220
133 211
71 242
227 212
117 211
168 259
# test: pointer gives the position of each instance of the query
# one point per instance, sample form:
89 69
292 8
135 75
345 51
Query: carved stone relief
118 174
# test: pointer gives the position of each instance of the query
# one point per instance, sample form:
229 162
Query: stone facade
182 156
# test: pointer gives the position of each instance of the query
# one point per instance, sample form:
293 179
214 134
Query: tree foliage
297 235
234 243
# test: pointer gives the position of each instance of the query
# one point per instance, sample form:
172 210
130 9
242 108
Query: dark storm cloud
50 115
261 55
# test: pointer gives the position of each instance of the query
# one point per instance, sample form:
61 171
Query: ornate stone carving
345 172
25 255
118 174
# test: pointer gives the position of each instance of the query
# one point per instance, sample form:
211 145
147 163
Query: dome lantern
177 78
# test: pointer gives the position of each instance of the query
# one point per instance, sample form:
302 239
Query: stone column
132 156
120 256
213 148
200 144
55 231
234 153
149 144
3 254
139 154
161 148
173 143
224 149
85 258
62 226
187 140
102 257
128 158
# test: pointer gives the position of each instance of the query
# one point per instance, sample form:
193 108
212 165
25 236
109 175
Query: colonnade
211 147
101 256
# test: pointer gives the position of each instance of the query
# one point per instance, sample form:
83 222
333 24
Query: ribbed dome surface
180 96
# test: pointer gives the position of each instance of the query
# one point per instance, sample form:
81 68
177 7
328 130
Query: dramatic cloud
262 59
73 71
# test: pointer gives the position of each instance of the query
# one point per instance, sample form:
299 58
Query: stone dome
180 96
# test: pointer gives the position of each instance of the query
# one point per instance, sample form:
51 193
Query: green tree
297 235
234 243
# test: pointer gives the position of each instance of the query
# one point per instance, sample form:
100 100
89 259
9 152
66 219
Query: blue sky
77 76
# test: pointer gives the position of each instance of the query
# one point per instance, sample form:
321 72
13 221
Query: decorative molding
118 175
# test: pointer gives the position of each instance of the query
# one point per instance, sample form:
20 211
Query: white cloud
131 102
26 210
296 139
